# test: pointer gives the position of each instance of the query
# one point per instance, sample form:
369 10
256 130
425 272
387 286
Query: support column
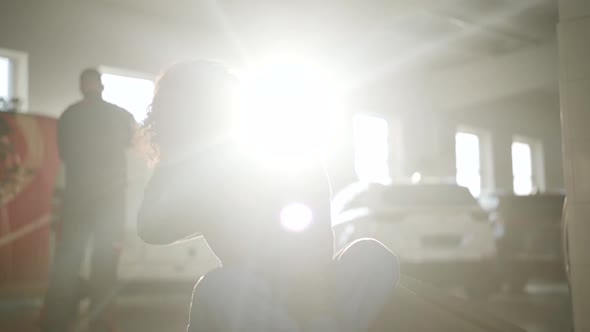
552 151
574 90
429 146
397 147
445 147
502 163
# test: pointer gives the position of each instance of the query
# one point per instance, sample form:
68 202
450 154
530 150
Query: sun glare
289 109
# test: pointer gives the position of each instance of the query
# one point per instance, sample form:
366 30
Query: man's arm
63 129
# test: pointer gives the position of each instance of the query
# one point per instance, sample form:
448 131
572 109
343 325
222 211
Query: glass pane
472 181
371 148
467 162
522 168
4 78
133 94
467 151
523 185
521 159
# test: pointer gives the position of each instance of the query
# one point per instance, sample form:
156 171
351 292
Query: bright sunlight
289 110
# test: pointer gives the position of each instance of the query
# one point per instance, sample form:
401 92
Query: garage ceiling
439 33
376 40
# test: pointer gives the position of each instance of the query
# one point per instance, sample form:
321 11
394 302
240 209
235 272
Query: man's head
90 83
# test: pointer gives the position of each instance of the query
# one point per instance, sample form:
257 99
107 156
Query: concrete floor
542 308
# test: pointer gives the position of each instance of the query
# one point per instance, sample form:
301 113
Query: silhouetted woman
273 277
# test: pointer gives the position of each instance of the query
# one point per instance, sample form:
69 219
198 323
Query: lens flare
416 178
296 217
289 112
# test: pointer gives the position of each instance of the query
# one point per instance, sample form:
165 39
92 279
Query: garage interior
491 95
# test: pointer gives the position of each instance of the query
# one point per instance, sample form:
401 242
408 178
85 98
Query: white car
438 230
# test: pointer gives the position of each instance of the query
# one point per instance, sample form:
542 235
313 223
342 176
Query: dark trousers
97 219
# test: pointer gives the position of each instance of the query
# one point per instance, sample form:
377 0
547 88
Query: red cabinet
28 168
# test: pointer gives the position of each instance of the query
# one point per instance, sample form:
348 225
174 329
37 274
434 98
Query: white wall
534 116
428 137
574 88
62 37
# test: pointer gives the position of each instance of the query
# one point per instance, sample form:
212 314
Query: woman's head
193 102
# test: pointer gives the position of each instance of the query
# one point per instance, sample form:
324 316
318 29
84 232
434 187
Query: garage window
467 153
131 91
371 148
5 78
14 77
522 168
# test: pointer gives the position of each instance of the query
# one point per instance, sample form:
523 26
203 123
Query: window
468 166
131 92
371 149
522 168
14 77
5 78
528 166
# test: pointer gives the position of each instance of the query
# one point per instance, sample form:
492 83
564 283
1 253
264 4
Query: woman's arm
175 204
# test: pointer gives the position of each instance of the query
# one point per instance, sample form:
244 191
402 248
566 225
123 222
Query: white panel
581 170
576 99
572 9
581 297
568 178
575 47
578 221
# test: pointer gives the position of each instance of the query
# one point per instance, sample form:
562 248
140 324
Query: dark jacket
236 204
93 136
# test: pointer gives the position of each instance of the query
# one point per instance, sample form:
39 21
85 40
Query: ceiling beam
494 78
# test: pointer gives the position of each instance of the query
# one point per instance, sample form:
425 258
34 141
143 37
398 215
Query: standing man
93 136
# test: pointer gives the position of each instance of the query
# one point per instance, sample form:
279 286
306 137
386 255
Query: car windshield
438 195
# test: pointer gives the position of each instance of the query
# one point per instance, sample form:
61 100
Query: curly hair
192 101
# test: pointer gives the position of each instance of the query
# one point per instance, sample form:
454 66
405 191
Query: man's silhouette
93 136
